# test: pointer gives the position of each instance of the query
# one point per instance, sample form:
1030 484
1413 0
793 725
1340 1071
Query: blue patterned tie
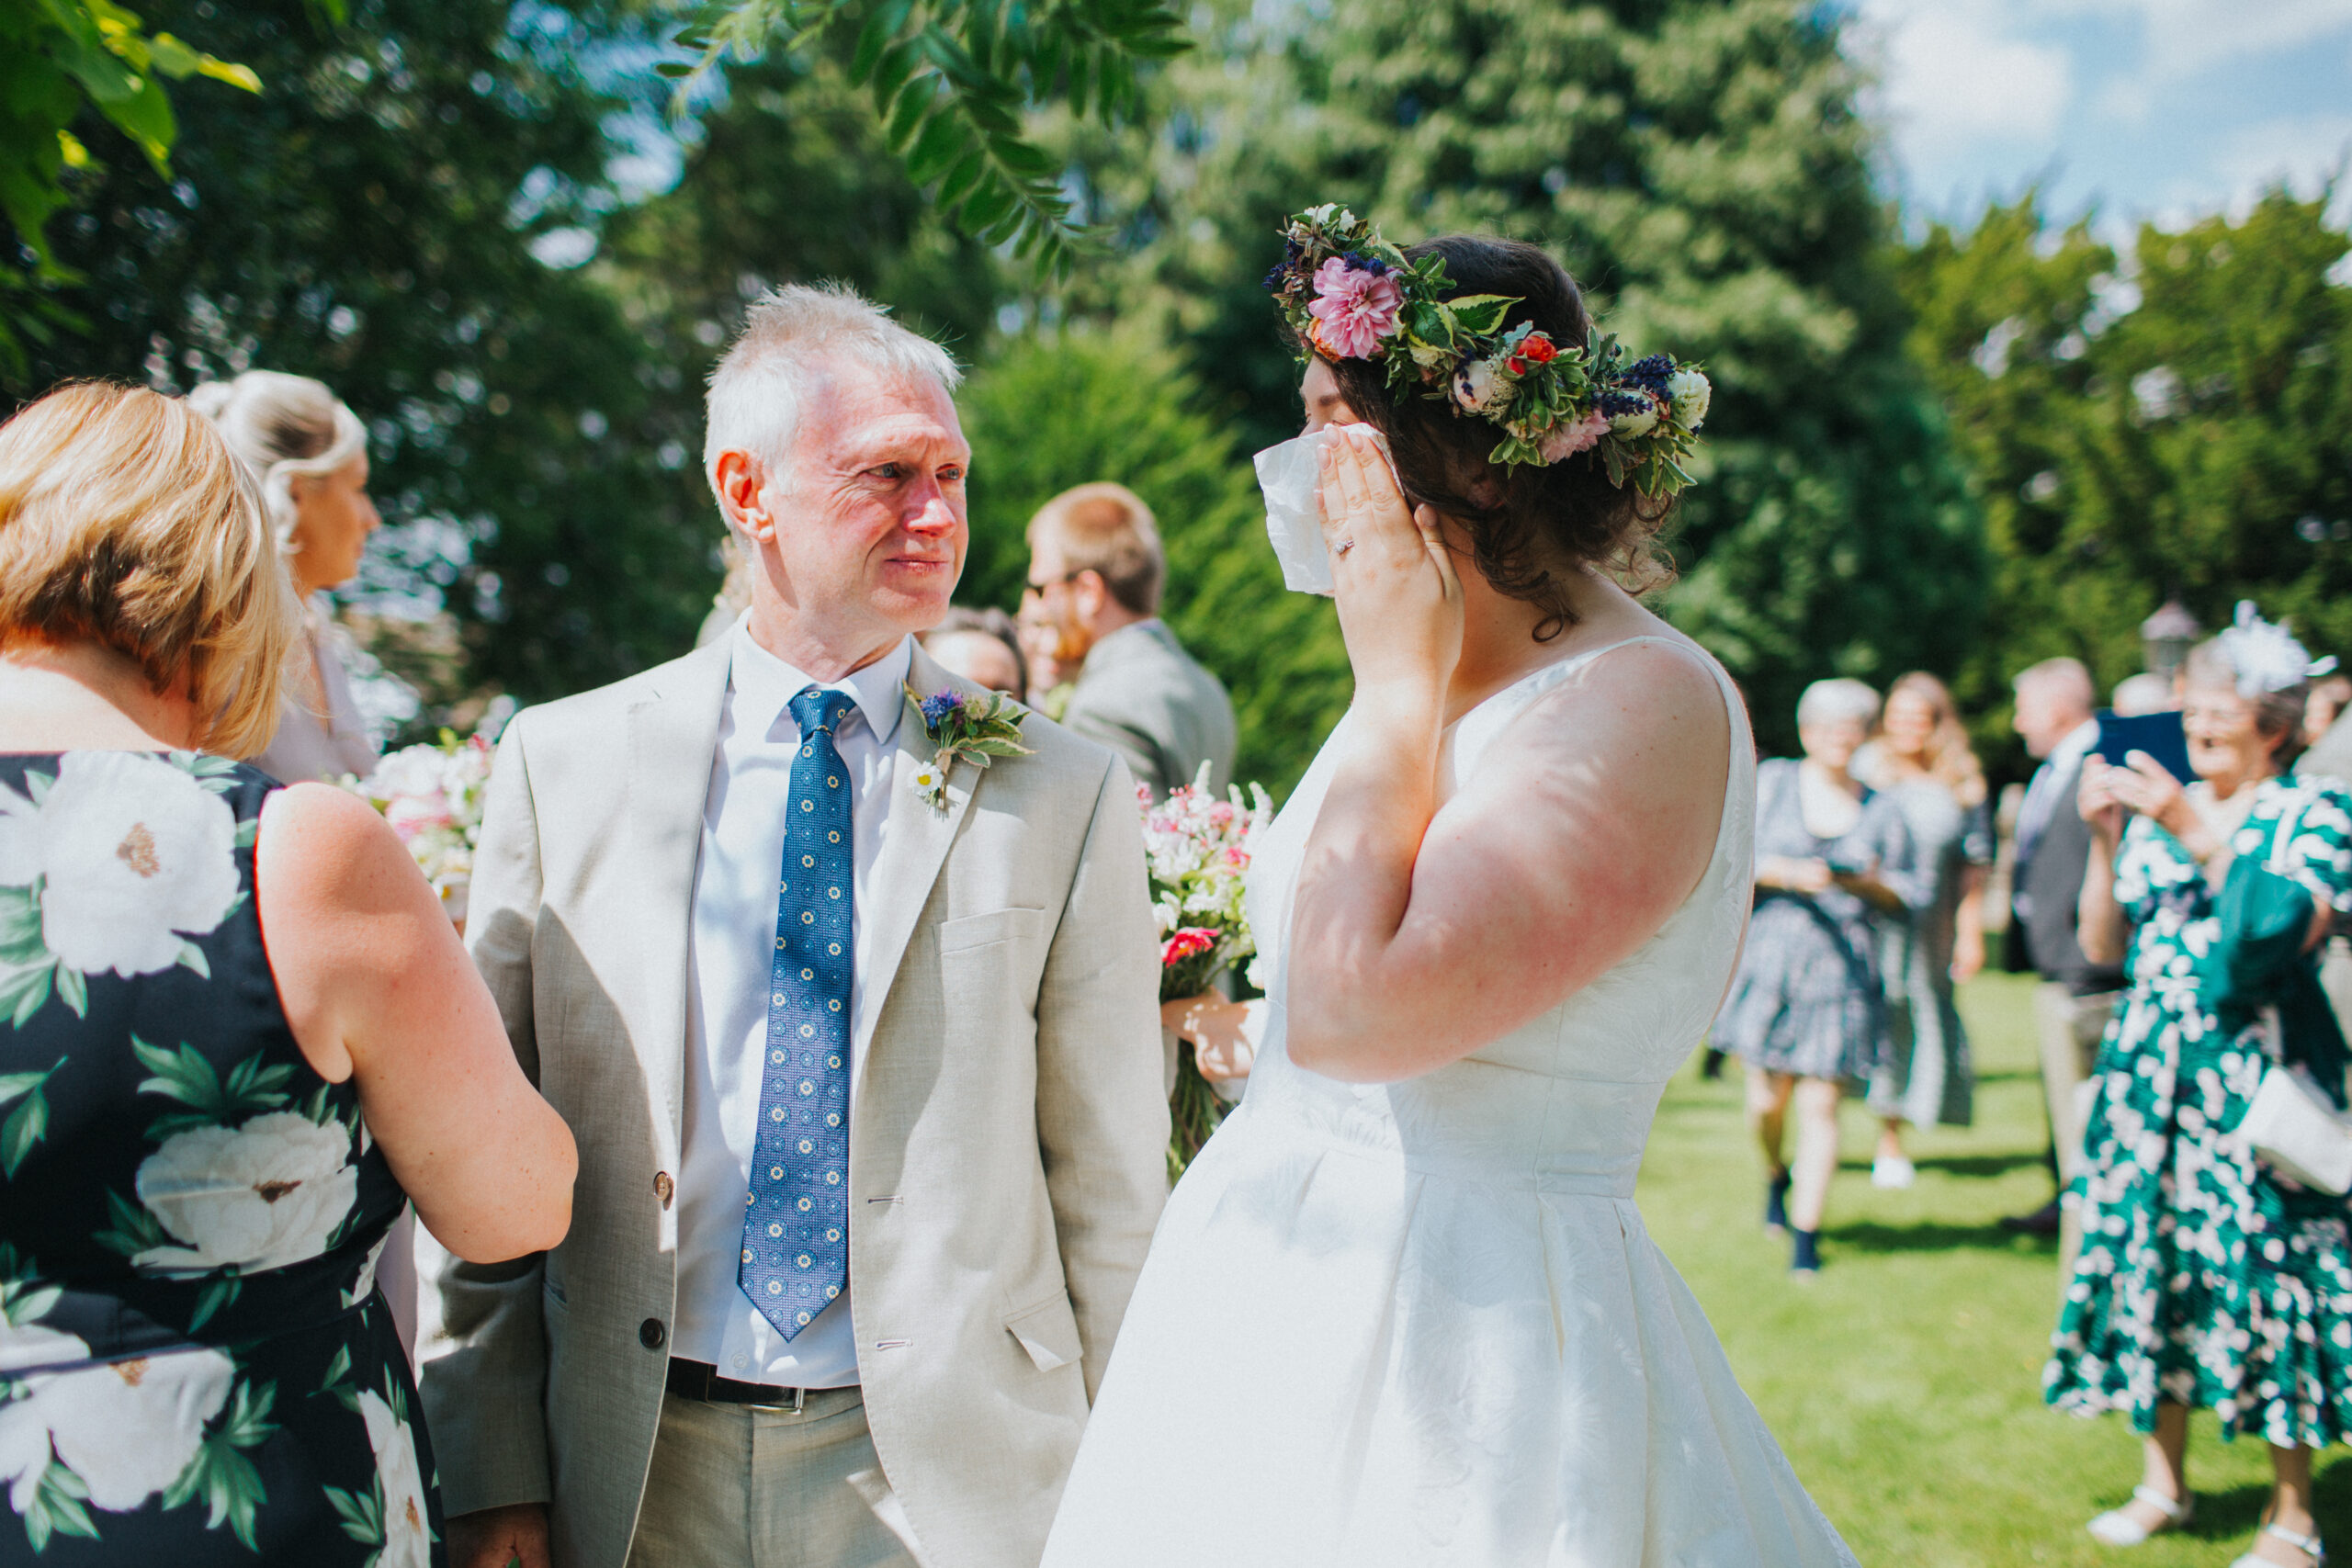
796 1223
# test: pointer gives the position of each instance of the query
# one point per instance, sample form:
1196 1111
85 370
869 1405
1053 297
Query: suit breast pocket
990 928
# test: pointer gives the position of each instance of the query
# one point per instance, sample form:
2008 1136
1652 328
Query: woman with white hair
2209 1278
310 452
1807 1011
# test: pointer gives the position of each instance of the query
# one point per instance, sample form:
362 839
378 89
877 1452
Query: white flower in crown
2266 656
1480 387
1691 393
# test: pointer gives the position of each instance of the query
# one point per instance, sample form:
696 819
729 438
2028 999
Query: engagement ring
1343 546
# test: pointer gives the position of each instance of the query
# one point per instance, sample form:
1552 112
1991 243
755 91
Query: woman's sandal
2116 1527
2307 1544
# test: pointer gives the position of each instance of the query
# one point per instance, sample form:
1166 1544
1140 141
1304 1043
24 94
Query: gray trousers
764 1486
2071 1028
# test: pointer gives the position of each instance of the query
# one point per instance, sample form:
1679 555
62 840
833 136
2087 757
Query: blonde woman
309 453
237 1036
1922 760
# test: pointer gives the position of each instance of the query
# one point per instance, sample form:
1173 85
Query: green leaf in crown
1348 293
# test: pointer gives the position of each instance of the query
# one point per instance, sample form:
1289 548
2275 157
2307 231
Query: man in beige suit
952 1129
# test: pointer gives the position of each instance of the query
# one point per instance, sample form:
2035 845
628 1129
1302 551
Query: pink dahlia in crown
1355 306
1567 440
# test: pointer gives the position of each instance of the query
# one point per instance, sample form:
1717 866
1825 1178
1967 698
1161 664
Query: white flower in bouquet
432 796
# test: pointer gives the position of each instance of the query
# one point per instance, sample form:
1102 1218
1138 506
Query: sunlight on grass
1904 1382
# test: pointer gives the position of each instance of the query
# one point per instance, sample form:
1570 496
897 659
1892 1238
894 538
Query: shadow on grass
1871 1236
2238 1513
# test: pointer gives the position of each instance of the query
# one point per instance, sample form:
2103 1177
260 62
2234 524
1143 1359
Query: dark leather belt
700 1380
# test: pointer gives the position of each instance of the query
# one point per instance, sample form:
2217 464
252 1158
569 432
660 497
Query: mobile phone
2158 734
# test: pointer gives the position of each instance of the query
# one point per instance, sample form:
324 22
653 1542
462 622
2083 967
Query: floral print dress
195 1367
2205 1280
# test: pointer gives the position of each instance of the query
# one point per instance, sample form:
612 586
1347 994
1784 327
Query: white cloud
1957 74
2186 38
2304 150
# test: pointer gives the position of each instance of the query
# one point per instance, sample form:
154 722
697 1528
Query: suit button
663 1187
650 1335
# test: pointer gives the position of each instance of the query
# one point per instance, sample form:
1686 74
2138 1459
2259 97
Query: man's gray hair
2060 677
1836 701
789 334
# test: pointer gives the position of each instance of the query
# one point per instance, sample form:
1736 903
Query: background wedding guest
2078 993
982 646
2206 1278
254 1037
1052 677
309 453
1096 569
1923 762
1807 1011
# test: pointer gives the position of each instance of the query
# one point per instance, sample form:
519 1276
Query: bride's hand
1400 598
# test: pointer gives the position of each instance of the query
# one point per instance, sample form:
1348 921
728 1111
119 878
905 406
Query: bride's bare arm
1419 934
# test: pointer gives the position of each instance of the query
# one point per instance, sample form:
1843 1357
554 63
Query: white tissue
1287 477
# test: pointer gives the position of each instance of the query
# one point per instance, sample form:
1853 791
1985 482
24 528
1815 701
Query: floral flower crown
1350 294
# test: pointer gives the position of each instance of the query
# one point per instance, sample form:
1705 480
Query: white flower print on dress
126 1430
254 1196
400 1483
133 856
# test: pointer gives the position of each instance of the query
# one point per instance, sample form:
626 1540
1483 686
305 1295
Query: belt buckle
800 1402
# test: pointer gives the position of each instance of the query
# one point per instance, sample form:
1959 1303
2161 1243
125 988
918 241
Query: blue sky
2163 109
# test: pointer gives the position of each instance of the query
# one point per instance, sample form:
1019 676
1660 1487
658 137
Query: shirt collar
2076 747
766 685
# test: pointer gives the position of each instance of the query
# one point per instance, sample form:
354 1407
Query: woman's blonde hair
1951 761
282 427
125 521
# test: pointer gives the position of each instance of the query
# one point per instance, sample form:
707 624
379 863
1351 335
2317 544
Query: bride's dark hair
1531 528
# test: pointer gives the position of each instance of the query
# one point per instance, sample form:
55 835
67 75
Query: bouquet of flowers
433 797
1198 848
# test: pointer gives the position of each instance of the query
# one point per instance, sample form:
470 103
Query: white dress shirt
730 951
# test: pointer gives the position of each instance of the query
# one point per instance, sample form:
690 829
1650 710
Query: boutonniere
982 728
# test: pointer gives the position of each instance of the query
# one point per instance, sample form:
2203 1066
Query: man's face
2046 716
867 517
1064 600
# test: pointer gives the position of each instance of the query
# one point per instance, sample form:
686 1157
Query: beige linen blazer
1142 695
1007 1141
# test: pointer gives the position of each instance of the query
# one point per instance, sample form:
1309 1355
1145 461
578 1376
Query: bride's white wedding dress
1420 1325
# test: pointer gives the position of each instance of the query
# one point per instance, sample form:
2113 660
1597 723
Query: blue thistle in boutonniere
982 728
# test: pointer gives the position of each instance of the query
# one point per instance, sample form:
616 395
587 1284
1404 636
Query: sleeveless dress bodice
196 1366
1423 1322
1561 1104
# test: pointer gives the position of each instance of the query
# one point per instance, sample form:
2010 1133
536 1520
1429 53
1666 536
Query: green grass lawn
1905 1381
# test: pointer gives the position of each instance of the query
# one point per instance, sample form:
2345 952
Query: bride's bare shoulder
1658 698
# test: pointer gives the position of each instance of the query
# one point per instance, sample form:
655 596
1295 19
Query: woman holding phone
1807 1011
2206 1278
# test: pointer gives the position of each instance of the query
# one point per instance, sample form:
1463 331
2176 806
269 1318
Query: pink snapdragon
1577 435
1353 309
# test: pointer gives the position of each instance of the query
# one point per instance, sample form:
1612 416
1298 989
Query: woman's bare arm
1421 934
377 988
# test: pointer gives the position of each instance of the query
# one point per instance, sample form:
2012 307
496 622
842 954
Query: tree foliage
1700 166
58 57
2175 422
950 80
369 220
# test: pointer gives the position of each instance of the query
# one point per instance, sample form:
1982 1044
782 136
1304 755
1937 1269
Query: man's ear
741 483
1091 592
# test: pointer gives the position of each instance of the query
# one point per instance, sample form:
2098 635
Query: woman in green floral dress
236 1035
2207 1280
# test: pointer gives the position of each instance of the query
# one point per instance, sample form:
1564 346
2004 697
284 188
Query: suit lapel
673 737
915 841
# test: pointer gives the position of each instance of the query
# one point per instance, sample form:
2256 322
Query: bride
1403 1311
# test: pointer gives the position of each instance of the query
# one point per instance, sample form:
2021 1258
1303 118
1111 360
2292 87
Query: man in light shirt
859 1037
